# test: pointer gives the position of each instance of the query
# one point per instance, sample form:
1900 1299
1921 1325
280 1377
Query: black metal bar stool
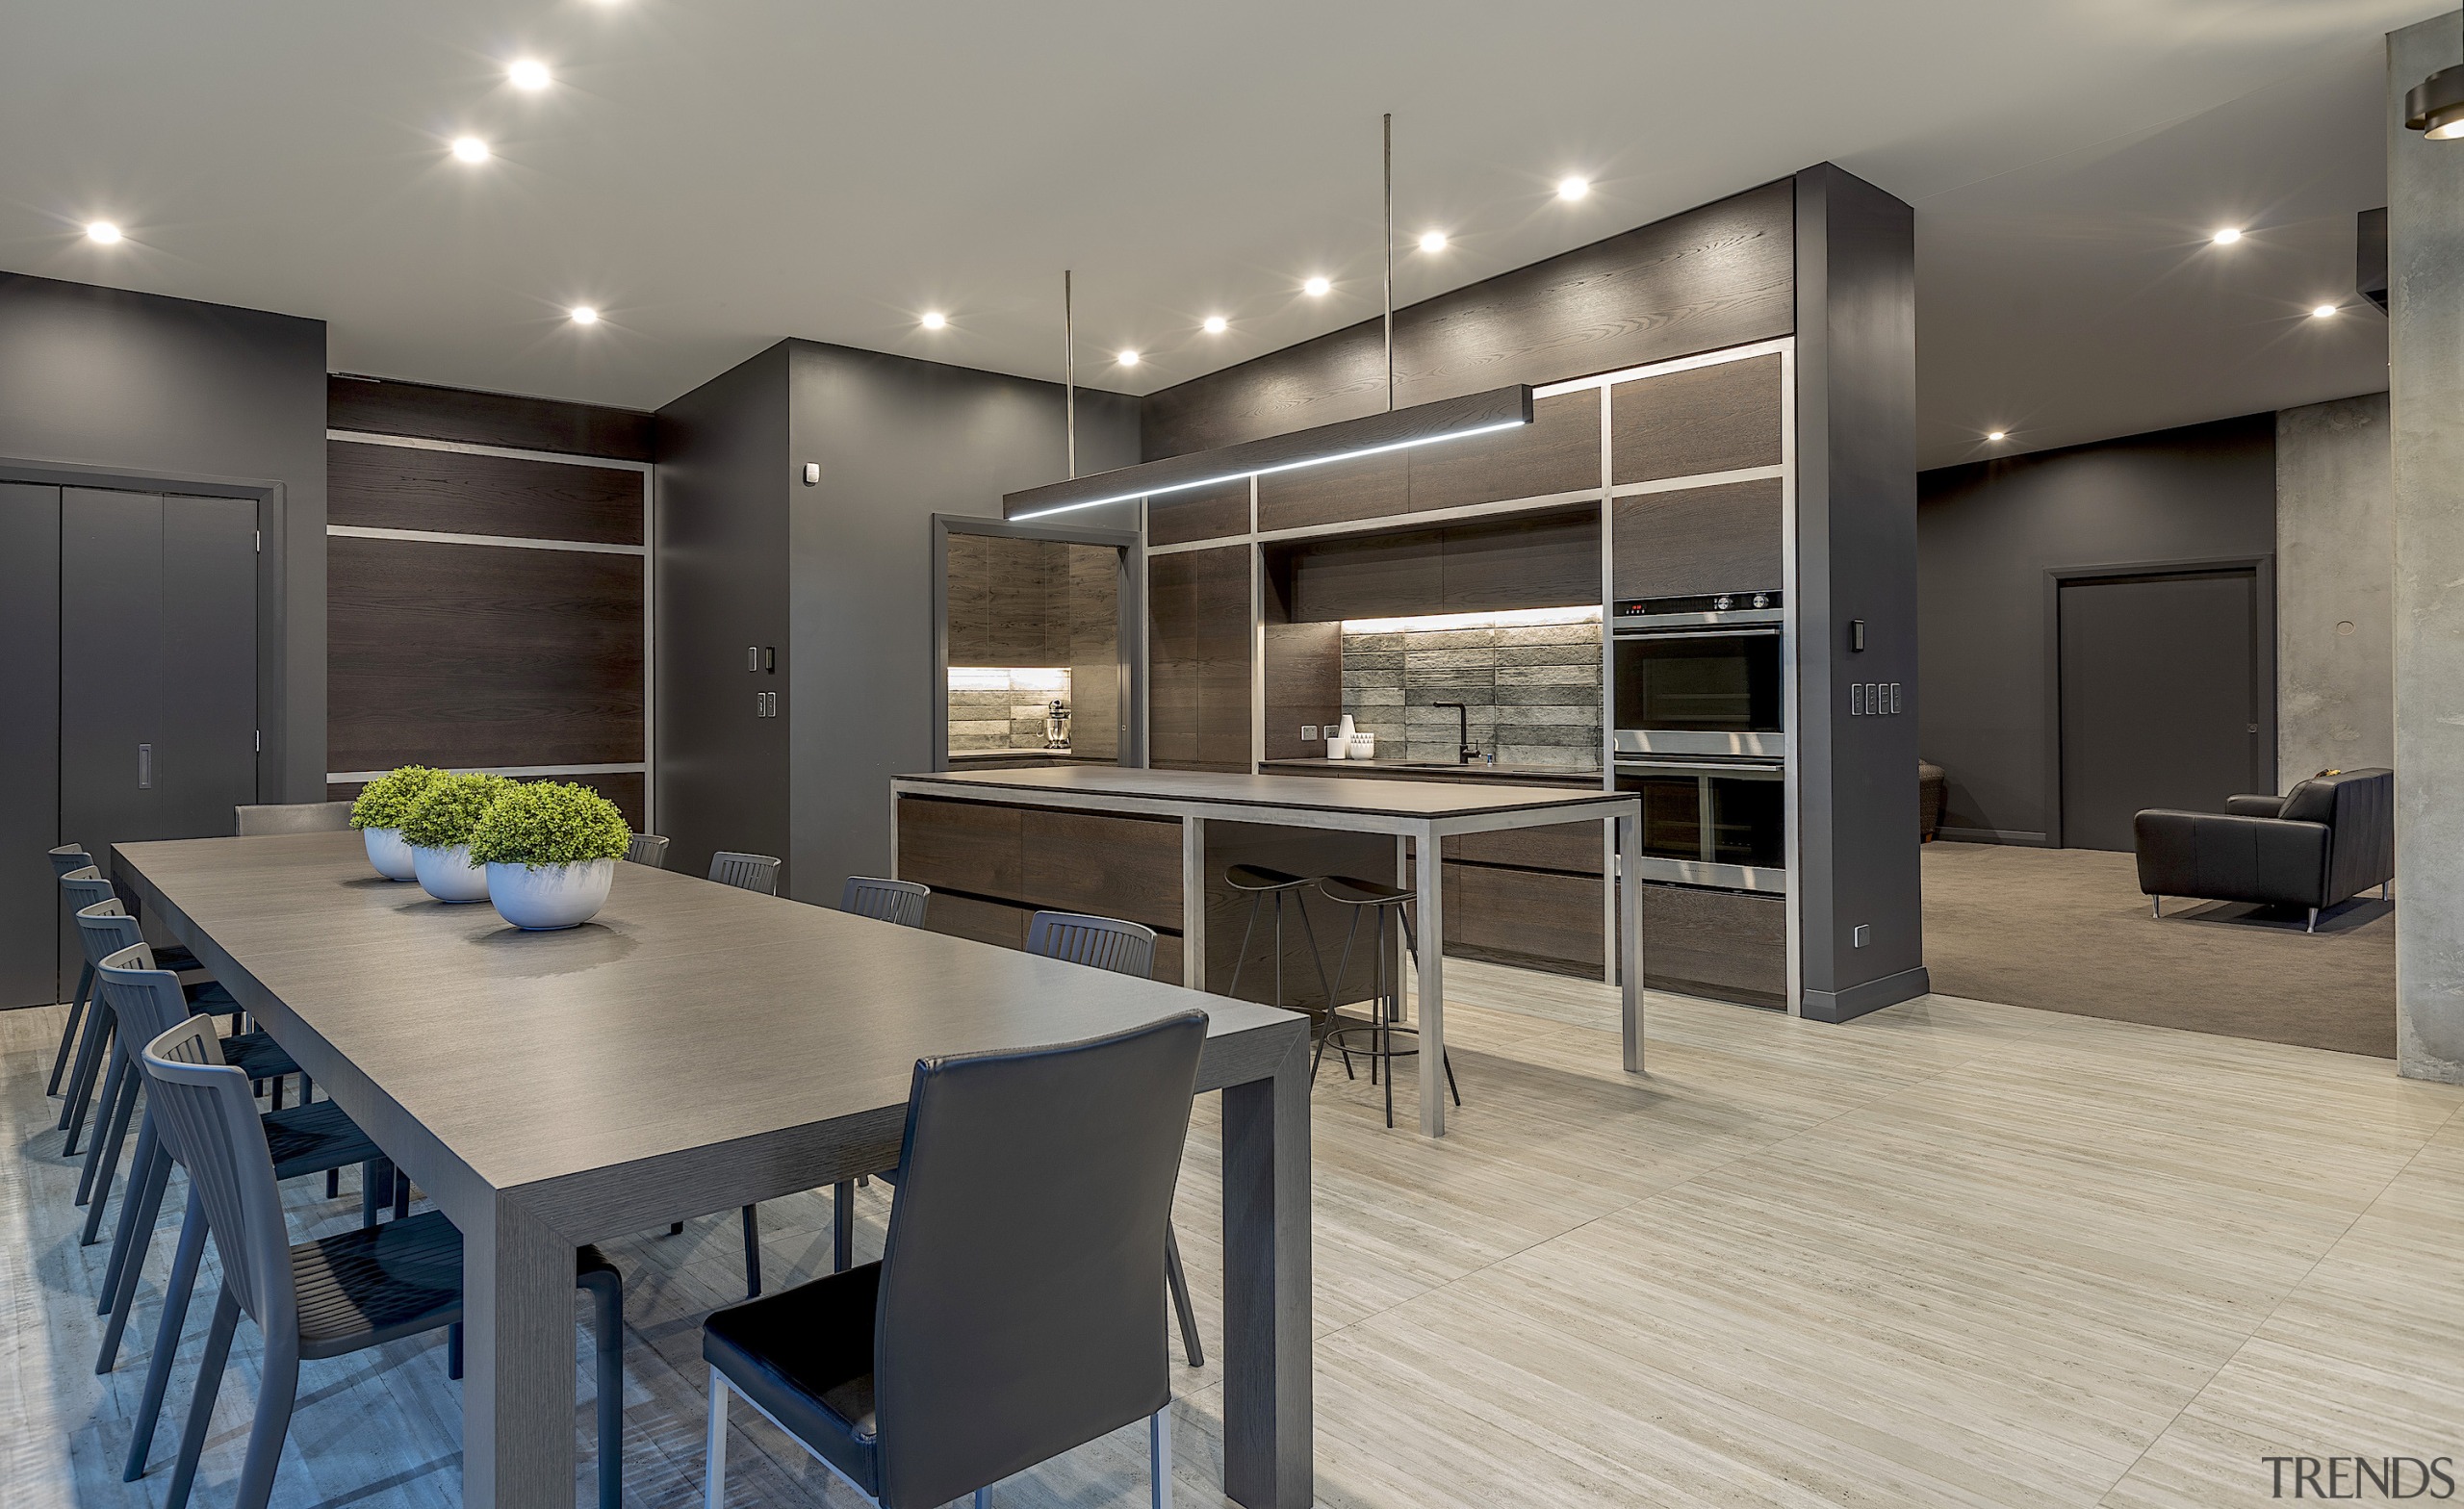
1262 882
1386 1007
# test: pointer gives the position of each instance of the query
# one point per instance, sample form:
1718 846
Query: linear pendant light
1346 440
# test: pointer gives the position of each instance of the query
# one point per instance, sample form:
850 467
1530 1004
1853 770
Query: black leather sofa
2328 840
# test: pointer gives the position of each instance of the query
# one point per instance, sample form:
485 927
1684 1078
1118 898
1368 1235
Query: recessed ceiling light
103 231
1127 358
1571 188
2323 312
1316 288
469 150
528 74
934 319
1996 434
1433 241
2226 236
585 314
1216 325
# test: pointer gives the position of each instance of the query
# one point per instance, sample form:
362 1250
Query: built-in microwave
1709 822
1702 688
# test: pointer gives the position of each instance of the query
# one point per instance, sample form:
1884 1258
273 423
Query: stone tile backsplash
1532 693
1001 717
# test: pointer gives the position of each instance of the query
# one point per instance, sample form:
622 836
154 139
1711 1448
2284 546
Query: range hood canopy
1397 429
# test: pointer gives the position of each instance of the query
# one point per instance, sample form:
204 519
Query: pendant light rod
1390 262
1069 373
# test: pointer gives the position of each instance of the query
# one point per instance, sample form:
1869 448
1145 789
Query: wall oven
1711 822
1707 685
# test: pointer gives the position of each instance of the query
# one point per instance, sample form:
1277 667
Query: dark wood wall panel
1698 541
1010 600
1198 659
1371 487
624 788
1542 561
1093 637
1717 276
1202 513
1721 418
472 655
970 846
1558 453
401 487
1304 683
489 418
1550 559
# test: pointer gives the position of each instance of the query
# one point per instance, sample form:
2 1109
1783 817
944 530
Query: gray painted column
2426 370
2335 586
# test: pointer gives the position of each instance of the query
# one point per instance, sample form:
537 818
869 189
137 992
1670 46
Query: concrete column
2335 587
2425 372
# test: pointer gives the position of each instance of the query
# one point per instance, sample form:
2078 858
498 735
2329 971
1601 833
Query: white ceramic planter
551 895
388 854
448 875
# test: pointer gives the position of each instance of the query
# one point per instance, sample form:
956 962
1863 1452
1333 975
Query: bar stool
1386 1006
1261 883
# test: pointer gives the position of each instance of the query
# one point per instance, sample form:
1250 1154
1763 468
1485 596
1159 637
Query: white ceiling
714 174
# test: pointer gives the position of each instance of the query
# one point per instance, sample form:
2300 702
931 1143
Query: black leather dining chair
1018 1308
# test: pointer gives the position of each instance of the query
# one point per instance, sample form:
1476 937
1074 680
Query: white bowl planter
448 875
551 895
388 854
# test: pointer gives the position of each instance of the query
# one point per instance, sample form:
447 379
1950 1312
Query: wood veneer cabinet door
1340 491
1127 867
1198 659
964 846
1698 541
1551 560
1202 513
1721 418
1558 453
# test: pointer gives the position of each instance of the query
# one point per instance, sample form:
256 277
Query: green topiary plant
445 813
549 822
383 801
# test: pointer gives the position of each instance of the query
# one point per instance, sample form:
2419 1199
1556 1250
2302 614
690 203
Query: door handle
146 767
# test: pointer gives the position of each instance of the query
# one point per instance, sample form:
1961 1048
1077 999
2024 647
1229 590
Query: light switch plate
1860 935
812 473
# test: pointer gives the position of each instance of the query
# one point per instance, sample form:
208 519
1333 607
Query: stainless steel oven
1711 822
1707 685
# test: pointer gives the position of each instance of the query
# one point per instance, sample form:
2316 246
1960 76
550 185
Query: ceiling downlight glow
2226 236
1571 188
102 232
1216 325
1127 358
933 319
528 74
469 150
583 315
2323 312
1317 288
1433 241
1997 434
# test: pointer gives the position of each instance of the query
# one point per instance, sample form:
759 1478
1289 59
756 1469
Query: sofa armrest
2255 806
2264 861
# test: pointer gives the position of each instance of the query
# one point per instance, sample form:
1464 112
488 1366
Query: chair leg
752 1253
333 1183
1242 959
607 1335
375 1187
2312 926
453 1350
714 1462
275 1091
209 1381
843 1226
402 1193
2156 907
148 1174
77 1013
1179 1284
1159 1457
81 1078
166 1335
676 1228
277 1391
102 1153
1316 955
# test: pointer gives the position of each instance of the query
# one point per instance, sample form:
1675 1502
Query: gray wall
721 563
2425 374
136 389
898 441
1986 535
2335 584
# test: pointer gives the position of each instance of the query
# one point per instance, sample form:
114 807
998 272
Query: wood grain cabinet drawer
966 846
1727 945
1578 847
1127 867
1525 916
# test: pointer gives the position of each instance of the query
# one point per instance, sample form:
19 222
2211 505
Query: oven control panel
1712 602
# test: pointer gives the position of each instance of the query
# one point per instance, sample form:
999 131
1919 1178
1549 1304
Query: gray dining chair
293 817
902 902
81 888
67 859
324 1298
751 872
649 849
1016 1310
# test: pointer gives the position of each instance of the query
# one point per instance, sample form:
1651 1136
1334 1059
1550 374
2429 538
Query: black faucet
1464 754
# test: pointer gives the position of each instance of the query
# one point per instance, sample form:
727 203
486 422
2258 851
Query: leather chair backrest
1021 1309
2362 812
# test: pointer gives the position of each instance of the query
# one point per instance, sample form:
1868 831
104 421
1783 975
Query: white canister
387 854
551 896
1336 744
448 875
1364 746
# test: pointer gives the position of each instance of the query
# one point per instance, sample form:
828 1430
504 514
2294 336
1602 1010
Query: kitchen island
1108 839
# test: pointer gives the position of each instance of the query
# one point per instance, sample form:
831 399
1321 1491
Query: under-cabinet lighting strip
1503 618
1288 465
345 778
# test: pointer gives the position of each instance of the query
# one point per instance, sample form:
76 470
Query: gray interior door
157 668
28 743
2159 699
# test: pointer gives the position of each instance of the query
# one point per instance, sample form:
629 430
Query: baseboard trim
1994 835
1843 1006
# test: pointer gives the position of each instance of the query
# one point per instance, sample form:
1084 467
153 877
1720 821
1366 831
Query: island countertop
1406 805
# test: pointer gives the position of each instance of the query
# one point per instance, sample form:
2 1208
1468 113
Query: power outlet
1308 733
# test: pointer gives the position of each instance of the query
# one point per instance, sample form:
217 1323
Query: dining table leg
1268 1410
518 1362
1430 1001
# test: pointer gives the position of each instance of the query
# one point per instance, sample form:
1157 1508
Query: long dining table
694 1049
